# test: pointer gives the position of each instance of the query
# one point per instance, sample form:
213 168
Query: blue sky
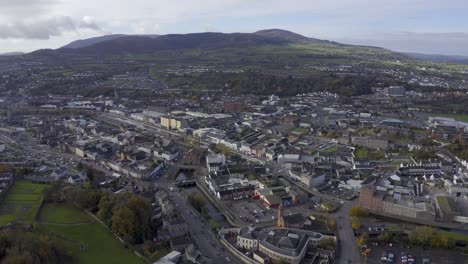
429 26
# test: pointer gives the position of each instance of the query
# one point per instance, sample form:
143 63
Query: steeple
280 216
116 95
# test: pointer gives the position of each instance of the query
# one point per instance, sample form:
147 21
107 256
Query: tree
105 208
362 239
20 246
367 251
21 172
331 223
357 211
355 225
54 193
327 243
197 201
427 236
123 223
88 198
385 237
142 218
221 148
251 177
4 244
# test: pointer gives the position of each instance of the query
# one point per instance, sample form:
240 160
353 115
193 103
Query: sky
425 26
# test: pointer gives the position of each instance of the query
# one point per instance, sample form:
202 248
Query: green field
83 236
330 149
21 203
462 118
454 236
62 213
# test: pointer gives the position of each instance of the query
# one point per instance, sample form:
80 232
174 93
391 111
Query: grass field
21 203
84 237
455 236
462 118
62 213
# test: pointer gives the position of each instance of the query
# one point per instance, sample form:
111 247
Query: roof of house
294 219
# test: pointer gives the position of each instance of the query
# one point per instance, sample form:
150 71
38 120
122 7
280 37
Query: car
228 259
426 260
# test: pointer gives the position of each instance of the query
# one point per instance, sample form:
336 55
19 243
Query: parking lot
415 255
320 144
251 211
341 193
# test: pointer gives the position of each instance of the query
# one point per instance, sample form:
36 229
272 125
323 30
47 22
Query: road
199 228
35 148
349 252
200 232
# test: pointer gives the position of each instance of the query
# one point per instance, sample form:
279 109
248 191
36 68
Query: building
214 162
286 245
6 180
175 226
225 187
170 258
370 142
233 107
312 179
275 245
249 237
173 123
395 91
447 208
375 199
212 134
296 221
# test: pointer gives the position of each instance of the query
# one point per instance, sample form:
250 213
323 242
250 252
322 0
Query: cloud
45 28
89 23
13 9
449 43
51 23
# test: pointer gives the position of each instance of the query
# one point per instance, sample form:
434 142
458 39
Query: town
315 177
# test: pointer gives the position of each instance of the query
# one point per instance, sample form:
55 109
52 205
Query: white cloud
451 43
44 19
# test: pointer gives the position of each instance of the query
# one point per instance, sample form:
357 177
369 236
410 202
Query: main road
348 248
199 228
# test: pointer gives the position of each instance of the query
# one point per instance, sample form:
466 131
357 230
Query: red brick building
370 198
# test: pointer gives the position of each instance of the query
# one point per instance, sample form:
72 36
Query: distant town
310 178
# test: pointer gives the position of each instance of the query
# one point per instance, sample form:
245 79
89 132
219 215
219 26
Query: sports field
21 203
82 236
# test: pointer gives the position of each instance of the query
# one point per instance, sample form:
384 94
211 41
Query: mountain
264 47
11 53
144 44
439 58
288 36
83 43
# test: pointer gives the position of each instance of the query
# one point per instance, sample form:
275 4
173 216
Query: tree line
127 215
19 246
283 85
